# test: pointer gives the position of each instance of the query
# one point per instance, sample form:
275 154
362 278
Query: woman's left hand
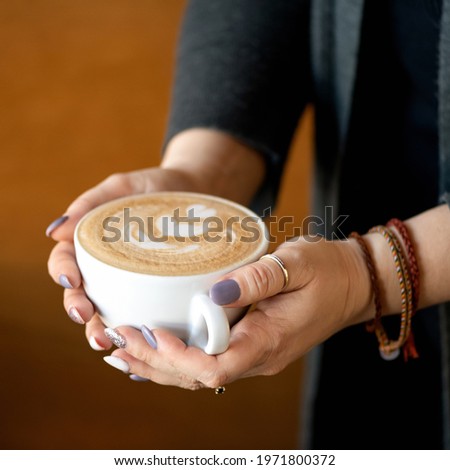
328 289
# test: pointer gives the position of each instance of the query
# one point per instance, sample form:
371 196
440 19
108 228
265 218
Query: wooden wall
84 92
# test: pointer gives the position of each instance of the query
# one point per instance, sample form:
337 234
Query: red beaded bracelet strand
411 256
409 349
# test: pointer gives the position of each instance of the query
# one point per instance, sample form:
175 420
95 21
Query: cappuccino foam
171 234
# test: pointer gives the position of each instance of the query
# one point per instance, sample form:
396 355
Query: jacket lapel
444 101
348 21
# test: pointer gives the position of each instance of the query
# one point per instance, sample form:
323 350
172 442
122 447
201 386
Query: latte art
171 233
175 228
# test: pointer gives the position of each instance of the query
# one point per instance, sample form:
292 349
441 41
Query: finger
192 364
144 371
77 305
145 361
62 265
114 186
256 281
212 371
254 342
95 334
188 365
135 343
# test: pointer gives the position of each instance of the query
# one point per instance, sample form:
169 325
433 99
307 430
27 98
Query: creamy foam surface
171 234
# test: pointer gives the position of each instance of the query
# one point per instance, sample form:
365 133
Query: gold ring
219 390
281 265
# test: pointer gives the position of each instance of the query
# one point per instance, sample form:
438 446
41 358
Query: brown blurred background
85 92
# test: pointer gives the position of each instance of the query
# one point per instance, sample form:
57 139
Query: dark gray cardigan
287 54
342 19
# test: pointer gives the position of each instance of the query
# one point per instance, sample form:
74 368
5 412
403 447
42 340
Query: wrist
362 302
215 163
387 277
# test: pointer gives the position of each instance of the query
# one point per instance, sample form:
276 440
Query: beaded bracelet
412 260
409 349
390 349
409 287
372 324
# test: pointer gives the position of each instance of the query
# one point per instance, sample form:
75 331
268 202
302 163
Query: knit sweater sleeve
243 68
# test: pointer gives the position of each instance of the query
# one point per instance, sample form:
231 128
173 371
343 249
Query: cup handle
209 325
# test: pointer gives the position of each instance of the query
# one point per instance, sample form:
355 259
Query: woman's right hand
198 160
62 264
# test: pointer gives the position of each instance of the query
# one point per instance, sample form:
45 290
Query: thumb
253 282
114 186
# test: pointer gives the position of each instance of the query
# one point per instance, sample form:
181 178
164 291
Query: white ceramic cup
179 304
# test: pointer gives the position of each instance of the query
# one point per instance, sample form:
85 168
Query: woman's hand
62 264
198 160
328 289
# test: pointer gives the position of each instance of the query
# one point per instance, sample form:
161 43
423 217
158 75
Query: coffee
172 234
170 248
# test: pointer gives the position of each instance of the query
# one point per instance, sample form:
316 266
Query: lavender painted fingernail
149 336
75 316
64 281
225 292
55 224
138 378
114 336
